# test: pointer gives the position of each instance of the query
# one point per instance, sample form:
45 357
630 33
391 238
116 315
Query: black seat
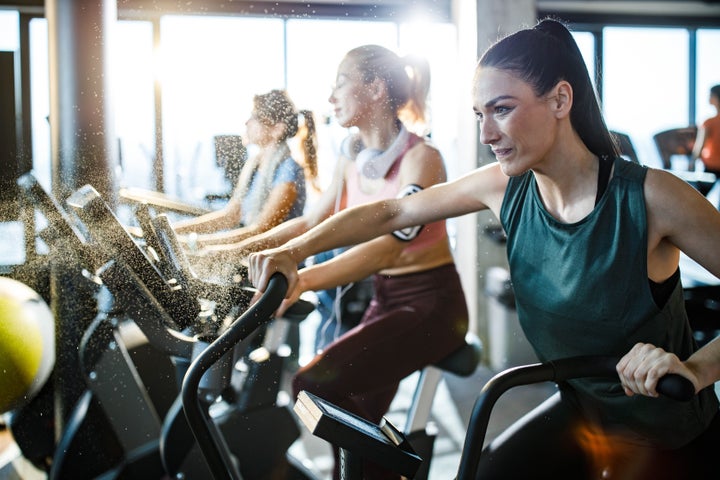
625 145
676 141
230 156
465 359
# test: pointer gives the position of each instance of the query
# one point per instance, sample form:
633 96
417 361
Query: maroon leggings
413 320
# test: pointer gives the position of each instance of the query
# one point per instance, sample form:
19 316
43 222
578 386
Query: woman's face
518 125
258 132
349 94
715 101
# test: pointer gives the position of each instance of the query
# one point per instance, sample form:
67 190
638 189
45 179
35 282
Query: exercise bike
359 440
672 385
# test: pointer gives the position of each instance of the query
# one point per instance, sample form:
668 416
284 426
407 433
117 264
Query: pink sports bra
429 234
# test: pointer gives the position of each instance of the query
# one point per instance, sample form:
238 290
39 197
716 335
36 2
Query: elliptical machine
91 439
244 402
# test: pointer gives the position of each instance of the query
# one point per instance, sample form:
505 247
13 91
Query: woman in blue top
593 247
272 184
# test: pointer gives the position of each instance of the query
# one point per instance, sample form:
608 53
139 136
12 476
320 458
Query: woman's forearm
210 222
350 227
705 363
352 265
225 237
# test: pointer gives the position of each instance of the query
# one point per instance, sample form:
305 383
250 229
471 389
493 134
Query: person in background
707 143
272 184
593 245
418 312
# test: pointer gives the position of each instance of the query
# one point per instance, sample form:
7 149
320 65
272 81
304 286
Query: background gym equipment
93 439
72 294
245 401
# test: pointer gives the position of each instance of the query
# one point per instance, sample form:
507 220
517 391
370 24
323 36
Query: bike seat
465 359
298 311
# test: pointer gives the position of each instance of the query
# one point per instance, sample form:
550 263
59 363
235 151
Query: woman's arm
699 143
278 205
274 237
473 192
679 219
226 217
352 265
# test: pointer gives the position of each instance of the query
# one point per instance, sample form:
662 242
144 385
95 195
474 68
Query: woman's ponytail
307 137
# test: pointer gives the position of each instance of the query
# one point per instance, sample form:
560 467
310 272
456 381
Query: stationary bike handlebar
206 433
672 385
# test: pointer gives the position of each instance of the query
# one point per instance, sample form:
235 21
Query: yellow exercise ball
27 343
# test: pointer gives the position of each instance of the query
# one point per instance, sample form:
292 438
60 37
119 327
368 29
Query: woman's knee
310 380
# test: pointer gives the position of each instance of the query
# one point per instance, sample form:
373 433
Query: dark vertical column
9 141
84 148
692 76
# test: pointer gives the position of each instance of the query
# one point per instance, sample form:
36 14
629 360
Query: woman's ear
278 131
562 98
377 88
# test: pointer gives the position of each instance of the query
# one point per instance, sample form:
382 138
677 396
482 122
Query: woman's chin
511 169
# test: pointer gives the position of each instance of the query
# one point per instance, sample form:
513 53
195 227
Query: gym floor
451 412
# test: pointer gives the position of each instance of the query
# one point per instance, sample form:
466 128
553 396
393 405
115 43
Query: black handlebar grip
676 387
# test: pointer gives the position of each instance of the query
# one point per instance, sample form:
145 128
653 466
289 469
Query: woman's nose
488 132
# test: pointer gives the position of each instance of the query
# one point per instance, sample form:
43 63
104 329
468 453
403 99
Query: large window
208 80
646 80
133 70
210 67
645 83
708 71
210 77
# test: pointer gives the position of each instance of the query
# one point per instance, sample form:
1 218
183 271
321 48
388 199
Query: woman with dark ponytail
593 244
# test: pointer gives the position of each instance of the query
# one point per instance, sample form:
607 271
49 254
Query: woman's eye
501 110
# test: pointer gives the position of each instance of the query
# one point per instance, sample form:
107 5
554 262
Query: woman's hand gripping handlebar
263 265
645 368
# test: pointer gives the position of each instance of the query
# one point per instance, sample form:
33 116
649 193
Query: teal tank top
583 289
